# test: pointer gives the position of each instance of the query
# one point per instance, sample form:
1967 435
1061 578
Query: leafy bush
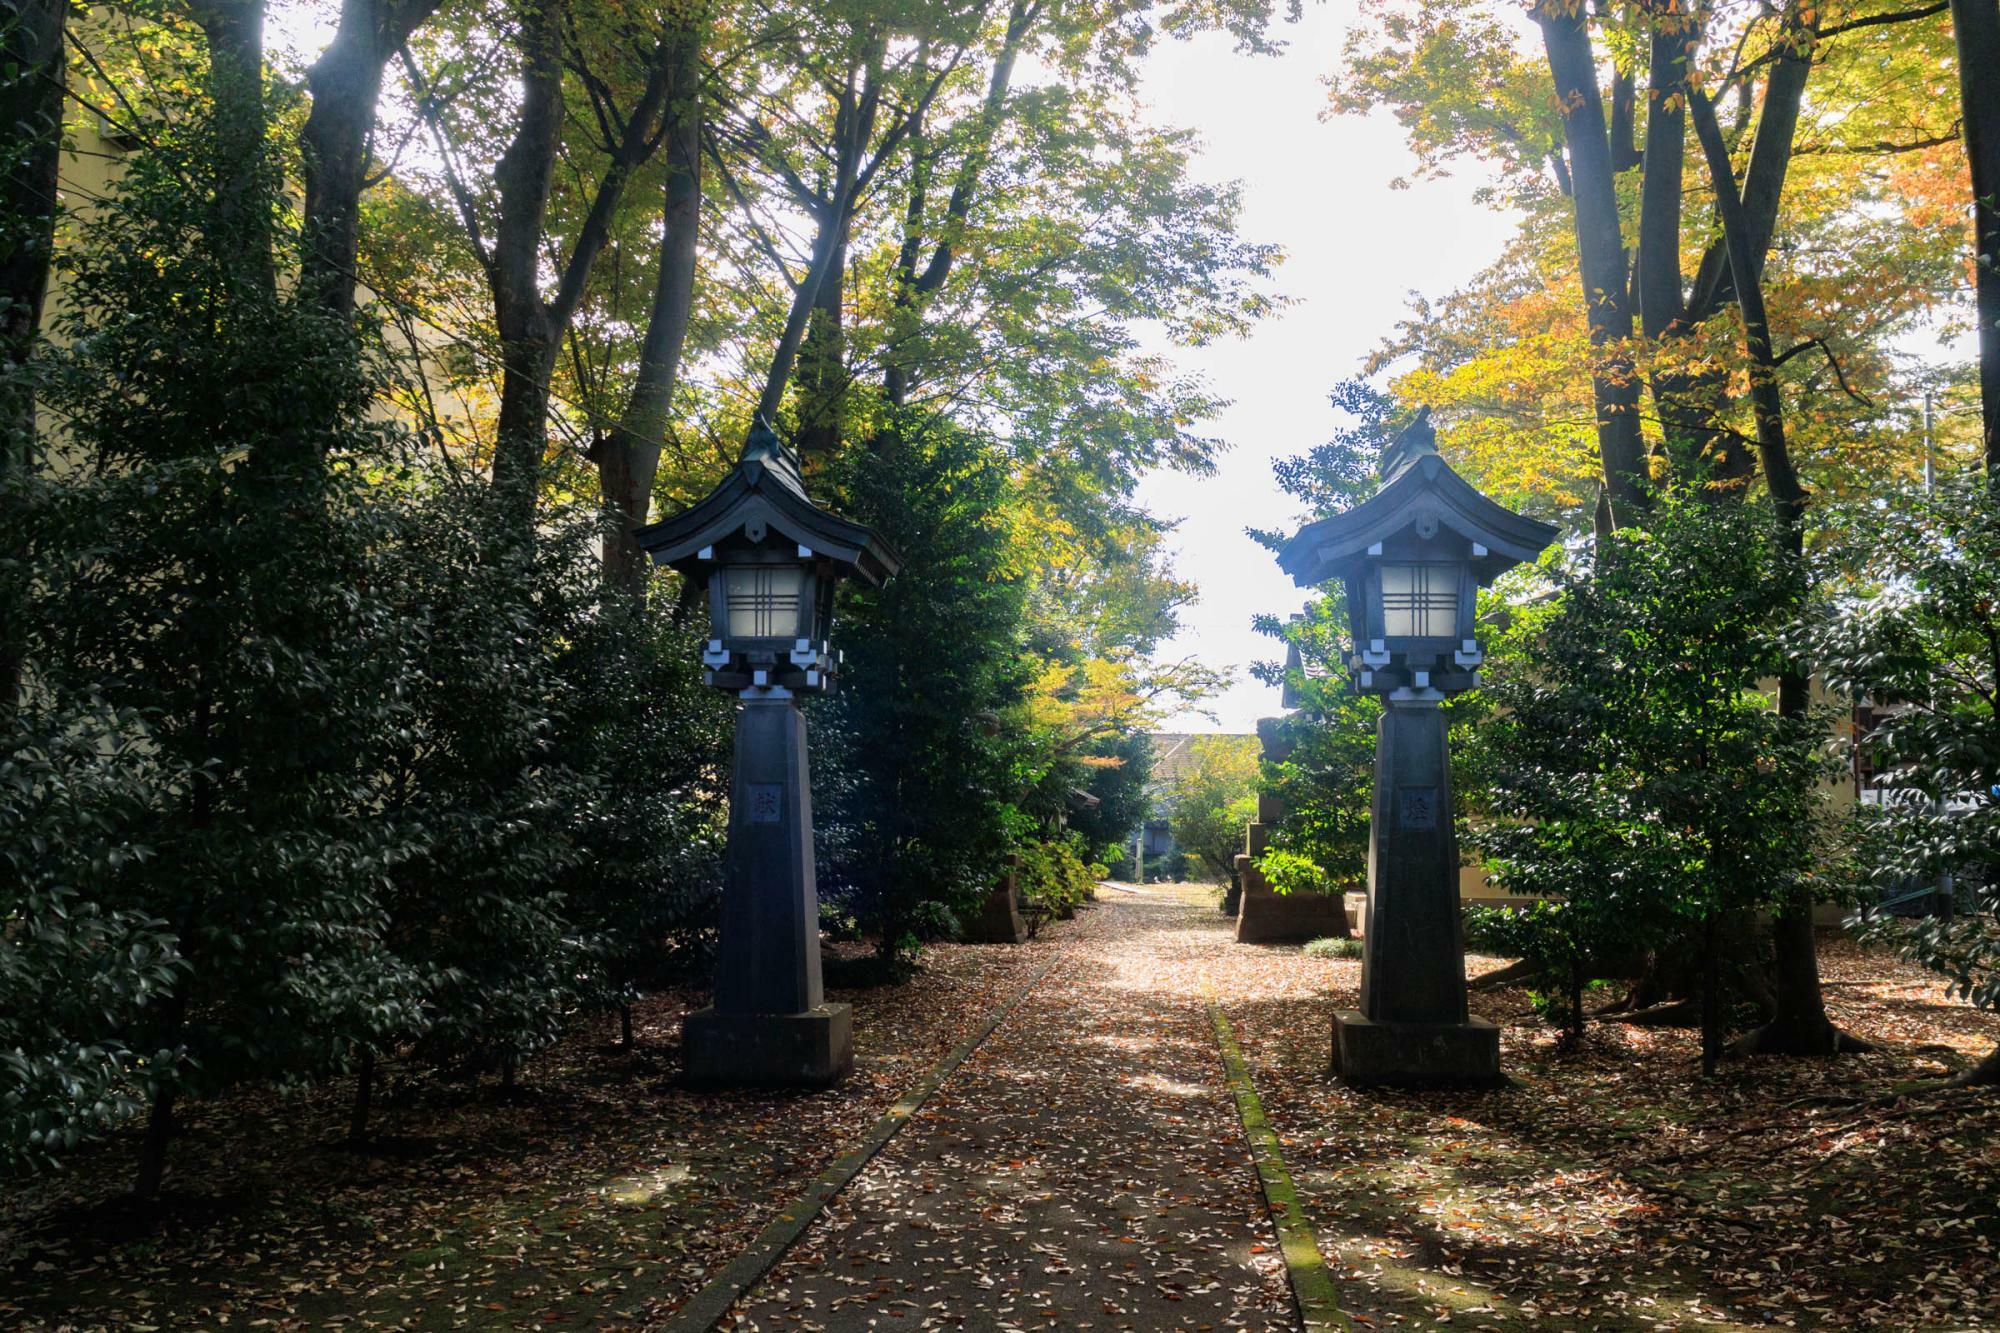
1056 878
1917 639
1209 800
1332 947
1638 781
81 956
1288 871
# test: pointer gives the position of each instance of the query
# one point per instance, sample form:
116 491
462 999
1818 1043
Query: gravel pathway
1085 1169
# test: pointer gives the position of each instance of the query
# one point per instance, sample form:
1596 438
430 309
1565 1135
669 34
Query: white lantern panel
1420 601
763 600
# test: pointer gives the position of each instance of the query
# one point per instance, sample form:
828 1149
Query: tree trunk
1985 1074
527 339
346 84
629 459
823 360
1576 1014
1711 1001
1600 254
530 328
826 248
1685 402
1799 1025
914 287
1658 282
1976 26
31 103
625 1026
235 33
854 125
1625 152
364 1099
153 1148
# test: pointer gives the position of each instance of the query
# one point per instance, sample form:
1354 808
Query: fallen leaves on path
601 1186
1084 1170
1617 1189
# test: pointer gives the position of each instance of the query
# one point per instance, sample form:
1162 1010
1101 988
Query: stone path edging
708 1305
1312 1285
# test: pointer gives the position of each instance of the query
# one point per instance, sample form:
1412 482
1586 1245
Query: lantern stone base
999 920
1265 916
808 1050
1421 1055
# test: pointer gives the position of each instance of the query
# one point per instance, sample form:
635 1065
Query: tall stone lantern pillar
1410 560
769 559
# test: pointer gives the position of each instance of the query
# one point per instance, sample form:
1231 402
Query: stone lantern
1411 559
769 559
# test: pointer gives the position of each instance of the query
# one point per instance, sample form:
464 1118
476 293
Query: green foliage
1288 871
1120 767
1917 638
1056 877
205 569
1554 934
657 741
80 958
1639 781
477 905
1331 947
913 773
314 763
1326 779
1209 800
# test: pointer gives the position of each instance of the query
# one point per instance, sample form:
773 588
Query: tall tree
1600 247
528 325
346 85
1799 1025
31 104
628 457
1976 25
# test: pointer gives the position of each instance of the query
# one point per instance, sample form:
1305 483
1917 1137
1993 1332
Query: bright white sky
1355 249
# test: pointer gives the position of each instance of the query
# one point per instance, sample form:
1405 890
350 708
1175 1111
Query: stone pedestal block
1371 1054
1413 964
1269 917
767 960
810 1049
999 920
1412 1028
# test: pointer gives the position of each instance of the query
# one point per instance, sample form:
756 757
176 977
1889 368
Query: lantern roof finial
765 493
1419 490
1411 443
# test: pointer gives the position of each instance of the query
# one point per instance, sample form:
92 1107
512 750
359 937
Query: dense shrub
1917 638
1640 783
1057 876
1333 947
913 771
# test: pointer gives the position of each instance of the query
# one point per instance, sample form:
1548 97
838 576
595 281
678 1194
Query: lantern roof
1417 485
764 497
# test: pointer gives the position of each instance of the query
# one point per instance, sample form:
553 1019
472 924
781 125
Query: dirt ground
1083 1169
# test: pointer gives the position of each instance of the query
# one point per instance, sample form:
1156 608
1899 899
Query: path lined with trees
1085 1167
361 795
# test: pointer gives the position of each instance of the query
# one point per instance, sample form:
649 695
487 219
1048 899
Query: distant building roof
1173 751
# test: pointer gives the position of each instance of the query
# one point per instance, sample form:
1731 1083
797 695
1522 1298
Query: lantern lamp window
1420 600
763 600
